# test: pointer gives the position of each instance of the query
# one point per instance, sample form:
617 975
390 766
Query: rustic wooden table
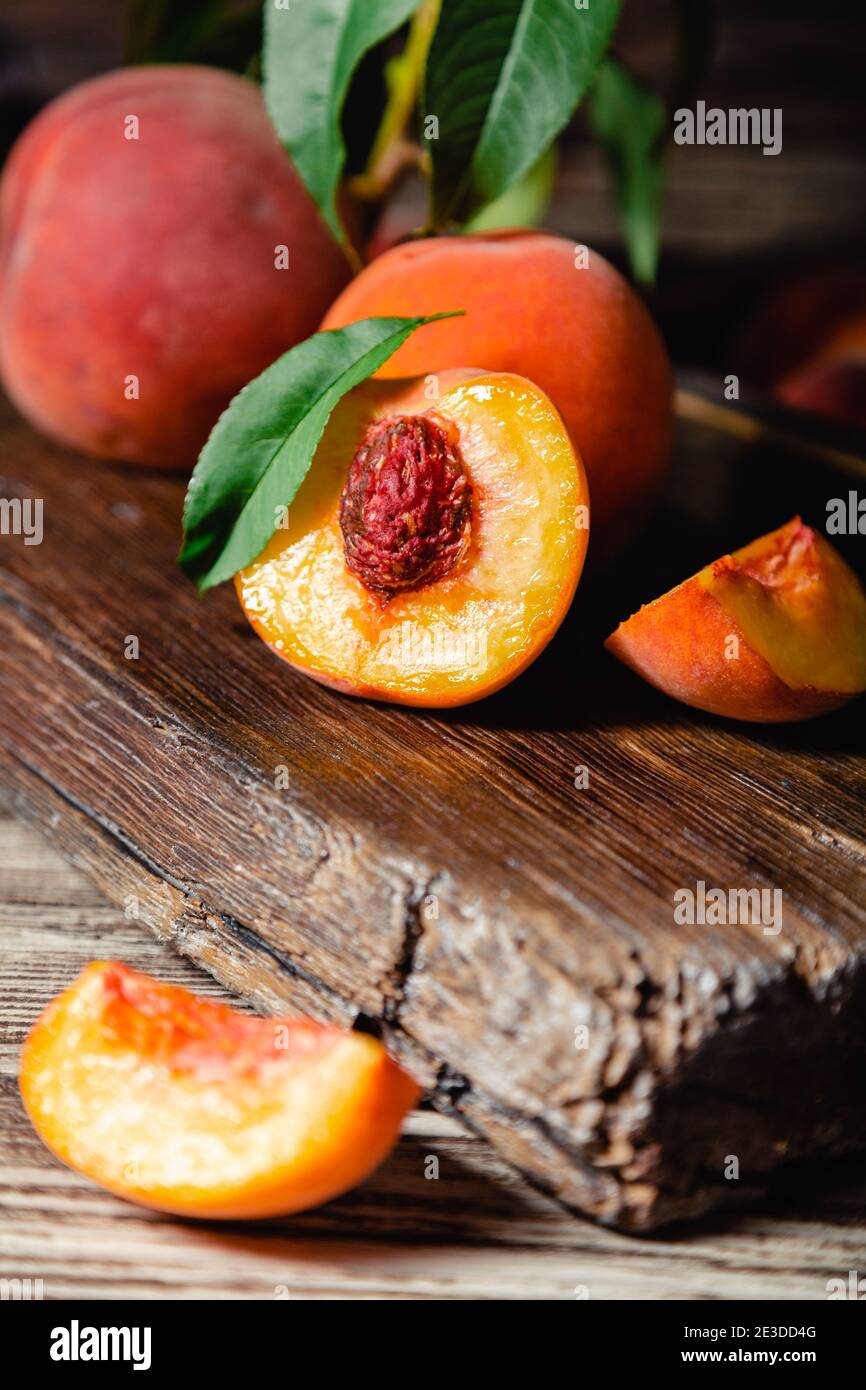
734 220
478 1231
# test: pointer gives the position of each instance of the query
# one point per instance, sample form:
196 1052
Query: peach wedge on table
191 1107
774 632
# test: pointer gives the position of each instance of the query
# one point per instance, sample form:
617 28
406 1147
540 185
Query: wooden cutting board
457 882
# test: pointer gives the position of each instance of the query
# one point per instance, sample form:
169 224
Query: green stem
392 152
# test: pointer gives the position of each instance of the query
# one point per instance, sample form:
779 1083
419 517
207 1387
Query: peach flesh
477 626
187 1106
774 632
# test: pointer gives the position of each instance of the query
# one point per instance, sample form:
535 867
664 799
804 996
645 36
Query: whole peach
157 250
544 308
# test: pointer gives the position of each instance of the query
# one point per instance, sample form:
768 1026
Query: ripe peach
140 279
434 548
191 1107
834 386
807 345
581 334
774 632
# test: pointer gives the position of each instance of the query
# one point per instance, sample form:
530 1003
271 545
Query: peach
141 279
774 632
807 345
834 386
434 547
190 1107
581 334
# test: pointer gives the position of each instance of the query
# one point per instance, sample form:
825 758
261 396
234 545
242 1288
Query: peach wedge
188 1106
774 632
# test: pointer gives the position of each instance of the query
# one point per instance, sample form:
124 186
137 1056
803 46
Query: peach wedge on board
774 632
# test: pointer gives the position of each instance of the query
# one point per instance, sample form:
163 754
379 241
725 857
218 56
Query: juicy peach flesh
190 1107
475 629
774 632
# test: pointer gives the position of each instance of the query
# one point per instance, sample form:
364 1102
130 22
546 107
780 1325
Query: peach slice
774 632
190 1107
435 546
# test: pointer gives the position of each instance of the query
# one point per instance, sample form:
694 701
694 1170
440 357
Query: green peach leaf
524 204
501 83
312 48
630 121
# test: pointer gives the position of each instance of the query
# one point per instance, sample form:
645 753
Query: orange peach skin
467 635
787 606
582 335
190 1107
152 258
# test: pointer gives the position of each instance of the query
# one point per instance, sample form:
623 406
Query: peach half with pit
774 632
435 545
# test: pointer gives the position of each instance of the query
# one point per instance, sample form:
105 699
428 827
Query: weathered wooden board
552 906
478 1231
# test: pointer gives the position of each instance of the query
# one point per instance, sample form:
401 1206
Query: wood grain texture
552 907
477 1231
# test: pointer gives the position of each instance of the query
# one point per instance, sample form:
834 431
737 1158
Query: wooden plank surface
478 1231
549 908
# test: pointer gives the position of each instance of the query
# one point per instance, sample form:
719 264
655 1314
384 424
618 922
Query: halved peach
190 1107
435 545
774 632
